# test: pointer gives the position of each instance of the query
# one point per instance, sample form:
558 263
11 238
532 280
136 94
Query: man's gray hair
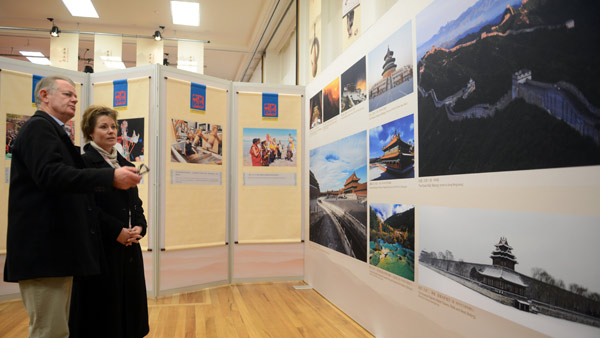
49 84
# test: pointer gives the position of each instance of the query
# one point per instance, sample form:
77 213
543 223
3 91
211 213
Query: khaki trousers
47 301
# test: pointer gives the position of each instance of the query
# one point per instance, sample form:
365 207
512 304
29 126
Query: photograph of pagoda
392 150
507 85
354 85
515 264
338 196
331 100
392 238
390 69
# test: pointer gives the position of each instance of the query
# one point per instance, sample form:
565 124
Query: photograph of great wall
507 85
527 267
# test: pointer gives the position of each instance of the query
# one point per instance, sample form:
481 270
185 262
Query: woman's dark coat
113 304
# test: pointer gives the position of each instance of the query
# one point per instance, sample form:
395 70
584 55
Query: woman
255 152
264 150
113 304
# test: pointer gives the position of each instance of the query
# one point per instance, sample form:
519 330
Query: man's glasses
143 169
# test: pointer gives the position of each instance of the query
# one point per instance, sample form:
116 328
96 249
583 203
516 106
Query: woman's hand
135 234
130 236
123 237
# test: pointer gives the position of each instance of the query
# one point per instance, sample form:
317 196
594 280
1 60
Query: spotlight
54 31
157 35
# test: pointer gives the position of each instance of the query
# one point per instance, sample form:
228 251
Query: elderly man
52 229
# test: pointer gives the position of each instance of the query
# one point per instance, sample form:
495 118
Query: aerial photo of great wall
508 85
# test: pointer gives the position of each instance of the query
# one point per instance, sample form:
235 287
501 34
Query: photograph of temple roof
392 150
338 196
500 255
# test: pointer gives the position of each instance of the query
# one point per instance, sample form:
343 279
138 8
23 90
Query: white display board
454 174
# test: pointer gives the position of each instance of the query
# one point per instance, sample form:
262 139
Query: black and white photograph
539 270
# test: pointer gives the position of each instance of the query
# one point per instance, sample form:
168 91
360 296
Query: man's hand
125 178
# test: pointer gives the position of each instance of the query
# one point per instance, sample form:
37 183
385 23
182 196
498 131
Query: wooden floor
238 310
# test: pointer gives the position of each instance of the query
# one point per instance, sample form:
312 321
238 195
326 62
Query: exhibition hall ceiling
235 29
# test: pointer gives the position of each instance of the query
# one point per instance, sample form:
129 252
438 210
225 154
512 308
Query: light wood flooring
273 309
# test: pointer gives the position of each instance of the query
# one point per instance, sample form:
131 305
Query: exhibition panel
196 165
176 124
194 162
453 152
268 180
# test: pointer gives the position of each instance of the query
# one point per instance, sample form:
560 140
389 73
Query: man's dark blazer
52 226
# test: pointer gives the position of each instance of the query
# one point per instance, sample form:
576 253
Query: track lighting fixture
54 31
157 35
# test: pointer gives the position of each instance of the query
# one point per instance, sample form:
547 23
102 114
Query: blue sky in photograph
333 163
280 134
400 43
261 133
429 21
380 136
384 210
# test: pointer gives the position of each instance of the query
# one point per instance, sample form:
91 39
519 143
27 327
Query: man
52 231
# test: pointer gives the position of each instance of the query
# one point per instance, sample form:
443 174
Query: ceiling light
83 8
157 36
185 13
54 31
36 57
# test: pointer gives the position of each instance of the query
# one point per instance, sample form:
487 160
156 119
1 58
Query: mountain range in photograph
508 85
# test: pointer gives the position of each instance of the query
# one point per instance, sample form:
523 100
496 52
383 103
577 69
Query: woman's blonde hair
90 116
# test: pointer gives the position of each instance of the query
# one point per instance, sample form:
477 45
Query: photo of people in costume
265 147
14 122
130 139
197 142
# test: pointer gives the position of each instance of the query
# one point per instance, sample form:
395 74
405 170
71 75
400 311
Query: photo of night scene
354 85
490 95
331 100
316 110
